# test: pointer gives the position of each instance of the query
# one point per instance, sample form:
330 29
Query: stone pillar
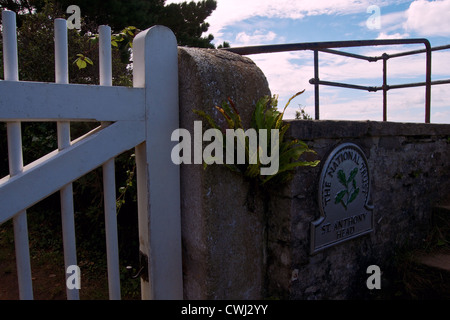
222 219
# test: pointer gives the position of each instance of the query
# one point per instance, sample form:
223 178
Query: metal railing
328 47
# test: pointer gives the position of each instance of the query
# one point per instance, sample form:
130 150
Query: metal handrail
328 47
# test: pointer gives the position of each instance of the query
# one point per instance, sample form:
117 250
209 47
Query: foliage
122 42
302 115
82 61
36 63
24 6
130 183
186 20
118 14
225 44
266 117
36 52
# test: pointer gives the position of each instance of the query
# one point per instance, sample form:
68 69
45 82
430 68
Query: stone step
432 275
428 274
438 260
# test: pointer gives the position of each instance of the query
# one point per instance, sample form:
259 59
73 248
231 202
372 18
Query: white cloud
257 38
429 18
393 21
231 12
285 76
396 35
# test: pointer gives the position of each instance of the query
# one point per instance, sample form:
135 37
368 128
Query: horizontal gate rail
329 46
50 102
94 149
142 117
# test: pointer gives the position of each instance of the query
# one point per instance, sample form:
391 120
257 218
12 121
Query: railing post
428 83
155 59
385 87
11 72
316 83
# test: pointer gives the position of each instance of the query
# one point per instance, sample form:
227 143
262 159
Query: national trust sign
344 198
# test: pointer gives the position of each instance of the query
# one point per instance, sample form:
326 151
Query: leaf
232 105
253 170
227 117
81 64
290 99
258 115
292 153
94 39
291 166
342 179
208 118
232 113
82 61
353 196
340 196
283 131
270 117
352 174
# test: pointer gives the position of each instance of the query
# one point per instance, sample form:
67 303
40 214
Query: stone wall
410 170
242 243
223 236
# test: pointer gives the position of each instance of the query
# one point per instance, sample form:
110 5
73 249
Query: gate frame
142 117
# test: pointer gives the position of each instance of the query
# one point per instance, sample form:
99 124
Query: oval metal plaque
344 198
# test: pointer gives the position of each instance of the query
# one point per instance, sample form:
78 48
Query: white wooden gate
142 117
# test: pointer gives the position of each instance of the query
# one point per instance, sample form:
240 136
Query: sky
261 22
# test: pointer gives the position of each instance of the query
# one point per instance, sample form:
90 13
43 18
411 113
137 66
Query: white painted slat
109 180
11 73
51 172
156 68
63 128
38 101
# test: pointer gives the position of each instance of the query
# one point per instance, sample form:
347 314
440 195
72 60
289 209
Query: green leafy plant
122 41
302 114
129 183
125 37
82 61
265 116
351 190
